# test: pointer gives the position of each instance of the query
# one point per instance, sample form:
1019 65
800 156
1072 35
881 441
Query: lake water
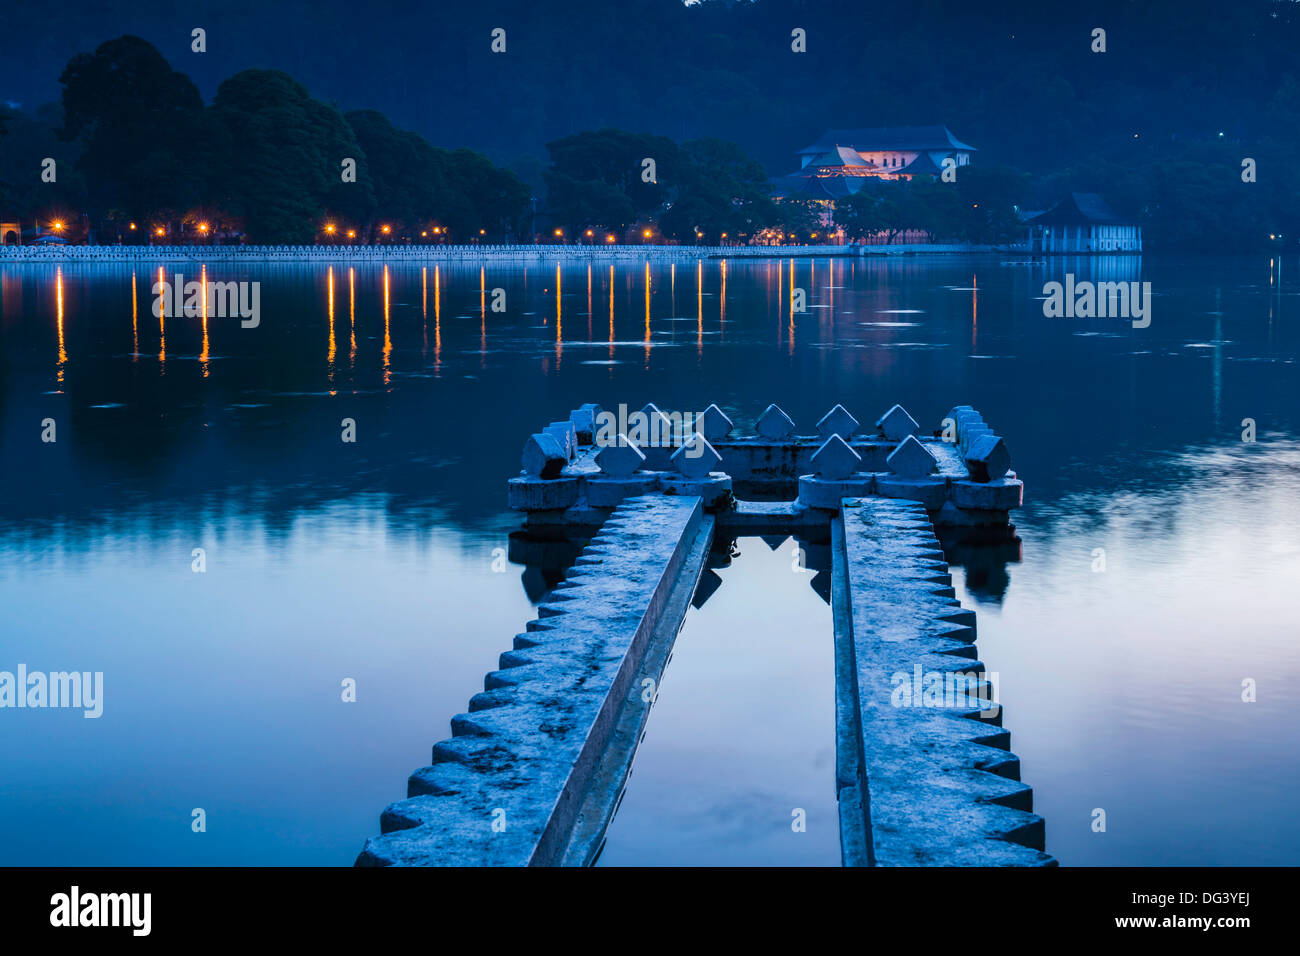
381 560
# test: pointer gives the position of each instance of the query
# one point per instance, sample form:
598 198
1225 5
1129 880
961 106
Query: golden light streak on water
722 313
204 356
699 306
135 325
162 331
332 351
780 300
647 314
791 342
58 304
388 339
352 315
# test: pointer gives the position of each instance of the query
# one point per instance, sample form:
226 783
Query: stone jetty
535 768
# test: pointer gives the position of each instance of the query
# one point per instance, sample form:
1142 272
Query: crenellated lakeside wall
457 253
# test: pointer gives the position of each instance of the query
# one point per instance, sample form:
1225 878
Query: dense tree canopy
610 178
141 128
134 142
278 159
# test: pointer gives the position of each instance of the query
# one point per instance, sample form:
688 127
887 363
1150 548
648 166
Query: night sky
1016 79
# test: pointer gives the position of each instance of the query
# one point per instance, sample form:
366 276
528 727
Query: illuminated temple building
842 160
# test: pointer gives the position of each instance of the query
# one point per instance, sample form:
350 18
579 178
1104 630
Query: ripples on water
375 560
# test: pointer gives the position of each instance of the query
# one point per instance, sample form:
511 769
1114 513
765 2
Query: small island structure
1082 223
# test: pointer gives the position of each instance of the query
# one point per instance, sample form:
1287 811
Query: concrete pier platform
533 771
961 472
924 771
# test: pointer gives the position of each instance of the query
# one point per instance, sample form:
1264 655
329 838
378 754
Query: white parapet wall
402 253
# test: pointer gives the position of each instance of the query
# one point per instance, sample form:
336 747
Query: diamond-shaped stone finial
584 420
543 457
896 424
837 421
696 458
988 458
911 459
969 432
566 435
659 427
713 423
835 460
774 423
620 459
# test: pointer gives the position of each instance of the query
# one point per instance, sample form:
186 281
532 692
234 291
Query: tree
488 197
861 215
989 197
280 159
408 175
721 190
140 125
600 178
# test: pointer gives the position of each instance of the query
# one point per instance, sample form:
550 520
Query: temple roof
910 138
840 156
805 186
1080 208
922 165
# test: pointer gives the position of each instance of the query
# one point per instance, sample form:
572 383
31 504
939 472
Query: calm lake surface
375 560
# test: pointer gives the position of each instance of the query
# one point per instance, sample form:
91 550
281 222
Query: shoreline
475 253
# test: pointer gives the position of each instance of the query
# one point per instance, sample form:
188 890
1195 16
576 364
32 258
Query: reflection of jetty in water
616 552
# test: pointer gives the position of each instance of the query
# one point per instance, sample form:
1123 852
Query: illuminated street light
329 229
58 225
352 233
